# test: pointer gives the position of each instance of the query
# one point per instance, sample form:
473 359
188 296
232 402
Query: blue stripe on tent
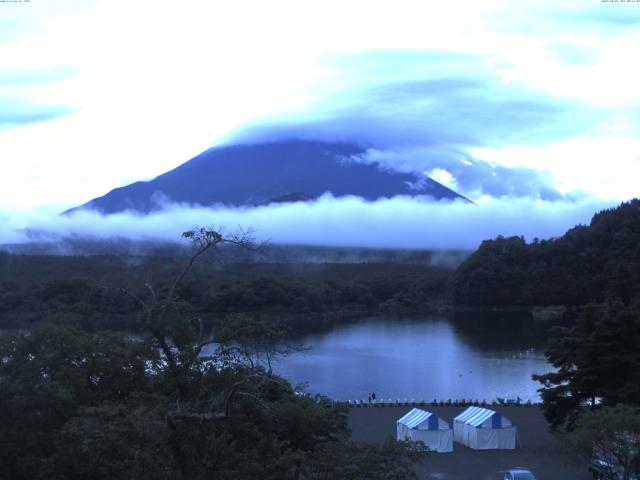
414 417
433 423
417 419
476 416
468 413
479 418
408 415
464 414
496 420
479 414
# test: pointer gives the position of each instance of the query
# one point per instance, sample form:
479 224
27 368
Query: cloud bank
456 169
401 222
439 113
401 98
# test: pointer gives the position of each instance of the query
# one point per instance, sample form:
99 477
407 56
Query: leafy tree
597 363
390 461
47 376
77 404
495 274
258 341
116 441
609 440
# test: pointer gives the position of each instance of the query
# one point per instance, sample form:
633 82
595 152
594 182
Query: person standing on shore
369 398
373 396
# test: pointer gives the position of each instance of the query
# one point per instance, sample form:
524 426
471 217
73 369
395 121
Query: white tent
484 429
427 427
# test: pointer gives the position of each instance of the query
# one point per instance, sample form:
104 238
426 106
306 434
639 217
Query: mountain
259 174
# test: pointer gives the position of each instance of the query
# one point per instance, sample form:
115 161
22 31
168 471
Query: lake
433 357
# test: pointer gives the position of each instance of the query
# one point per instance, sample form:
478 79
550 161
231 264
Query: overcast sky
496 99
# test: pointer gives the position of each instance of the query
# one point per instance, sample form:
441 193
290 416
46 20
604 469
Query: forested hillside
79 403
587 264
305 296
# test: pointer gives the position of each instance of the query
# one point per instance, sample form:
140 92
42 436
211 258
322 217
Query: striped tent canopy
423 420
483 418
483 429
427 427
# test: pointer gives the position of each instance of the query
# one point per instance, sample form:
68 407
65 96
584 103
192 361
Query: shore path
540 451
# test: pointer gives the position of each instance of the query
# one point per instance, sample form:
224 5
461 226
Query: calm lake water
418 359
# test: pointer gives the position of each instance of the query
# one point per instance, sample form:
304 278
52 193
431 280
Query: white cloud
442 176
459 170
607 166
401 222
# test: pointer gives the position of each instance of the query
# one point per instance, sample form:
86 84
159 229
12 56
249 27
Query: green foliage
597 363
77 404
114 441
306 297
255 340
390 461
493 274
587 264
48 376
609 440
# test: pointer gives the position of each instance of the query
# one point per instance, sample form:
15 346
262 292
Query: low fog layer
401 222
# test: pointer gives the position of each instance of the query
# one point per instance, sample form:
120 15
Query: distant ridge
291 198
259 174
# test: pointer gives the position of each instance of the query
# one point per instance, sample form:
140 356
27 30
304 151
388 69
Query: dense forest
88 290
79 403
587 264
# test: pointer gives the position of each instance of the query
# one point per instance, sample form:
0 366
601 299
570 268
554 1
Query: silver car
516 473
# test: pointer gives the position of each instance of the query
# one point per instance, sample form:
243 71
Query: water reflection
513 330
420 359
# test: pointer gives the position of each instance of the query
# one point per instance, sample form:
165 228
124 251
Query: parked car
515 473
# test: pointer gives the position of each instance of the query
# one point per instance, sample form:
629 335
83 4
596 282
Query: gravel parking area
540 451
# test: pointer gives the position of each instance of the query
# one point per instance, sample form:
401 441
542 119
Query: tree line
587 264
77 403
307 297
